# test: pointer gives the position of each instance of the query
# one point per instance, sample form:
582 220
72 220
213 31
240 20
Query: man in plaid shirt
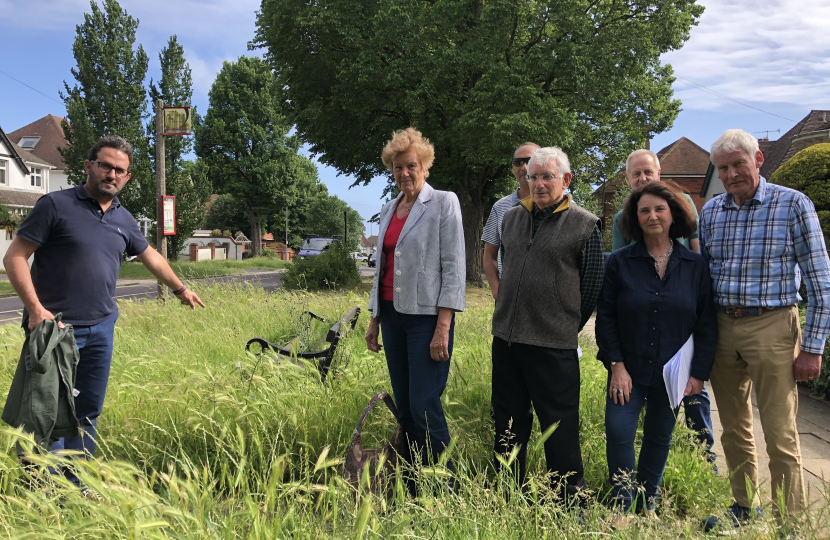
760 239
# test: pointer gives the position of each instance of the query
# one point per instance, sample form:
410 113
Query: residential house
812 129
24 178
682 162
42 138
369 245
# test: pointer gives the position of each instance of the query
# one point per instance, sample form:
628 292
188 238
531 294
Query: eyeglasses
544 176
105 168
519 161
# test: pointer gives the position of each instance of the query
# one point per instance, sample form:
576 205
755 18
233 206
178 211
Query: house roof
11 197
778 152
369 242
51 136
15 151
683 157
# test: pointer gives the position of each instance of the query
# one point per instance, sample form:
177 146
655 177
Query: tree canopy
244 140
809 172
186 180
477 77
109 98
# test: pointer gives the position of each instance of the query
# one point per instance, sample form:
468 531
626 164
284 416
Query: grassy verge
136 270
6 287
199 440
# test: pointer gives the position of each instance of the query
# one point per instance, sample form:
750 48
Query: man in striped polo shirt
492 230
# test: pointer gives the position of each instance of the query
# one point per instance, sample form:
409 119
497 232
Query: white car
358 256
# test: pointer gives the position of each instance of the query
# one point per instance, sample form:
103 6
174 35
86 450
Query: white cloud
777 51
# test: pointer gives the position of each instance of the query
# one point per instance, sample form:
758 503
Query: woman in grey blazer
419 285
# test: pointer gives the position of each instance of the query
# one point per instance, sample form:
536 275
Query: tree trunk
472 217
256 233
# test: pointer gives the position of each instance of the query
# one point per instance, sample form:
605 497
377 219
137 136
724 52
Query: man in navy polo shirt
78 237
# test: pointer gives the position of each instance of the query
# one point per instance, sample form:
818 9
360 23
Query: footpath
813 429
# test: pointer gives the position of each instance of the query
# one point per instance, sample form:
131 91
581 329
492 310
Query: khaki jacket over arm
430 260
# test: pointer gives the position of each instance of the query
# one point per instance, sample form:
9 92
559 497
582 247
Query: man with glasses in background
492 229
78 237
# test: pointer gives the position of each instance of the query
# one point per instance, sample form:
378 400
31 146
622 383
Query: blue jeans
699 419
620 430
95 348
417 380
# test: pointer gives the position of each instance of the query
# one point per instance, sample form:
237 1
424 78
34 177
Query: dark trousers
549 380
621 429
417 380
699 419
95 348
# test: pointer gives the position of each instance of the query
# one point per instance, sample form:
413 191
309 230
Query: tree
109 99
809 172
477 77
186 180
319 213
244 140
226 213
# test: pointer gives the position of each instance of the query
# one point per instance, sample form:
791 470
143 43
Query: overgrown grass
136 270
199 440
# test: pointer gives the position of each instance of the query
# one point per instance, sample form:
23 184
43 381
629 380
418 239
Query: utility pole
161 190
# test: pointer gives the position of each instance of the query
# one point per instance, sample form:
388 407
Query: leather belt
740 312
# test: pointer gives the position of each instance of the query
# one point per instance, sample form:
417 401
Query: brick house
683 162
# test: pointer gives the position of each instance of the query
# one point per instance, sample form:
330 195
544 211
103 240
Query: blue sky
772 55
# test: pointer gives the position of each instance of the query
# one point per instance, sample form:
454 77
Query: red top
390 240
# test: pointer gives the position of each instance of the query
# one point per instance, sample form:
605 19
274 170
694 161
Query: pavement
813 423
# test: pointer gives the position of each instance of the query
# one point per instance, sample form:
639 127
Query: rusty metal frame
324 357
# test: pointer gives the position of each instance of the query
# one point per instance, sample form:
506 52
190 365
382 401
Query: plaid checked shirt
758 251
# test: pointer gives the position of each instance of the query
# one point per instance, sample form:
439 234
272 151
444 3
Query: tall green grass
200 440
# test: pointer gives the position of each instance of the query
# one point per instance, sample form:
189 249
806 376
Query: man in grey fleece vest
552 274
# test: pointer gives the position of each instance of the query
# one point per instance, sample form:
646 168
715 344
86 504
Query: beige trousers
760 351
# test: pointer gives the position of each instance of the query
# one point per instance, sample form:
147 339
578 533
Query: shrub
809 172
332 269
216 232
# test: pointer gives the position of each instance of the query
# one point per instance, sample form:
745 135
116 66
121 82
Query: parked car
358 256
314 245
370 260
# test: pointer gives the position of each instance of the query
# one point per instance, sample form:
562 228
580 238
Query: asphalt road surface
10 308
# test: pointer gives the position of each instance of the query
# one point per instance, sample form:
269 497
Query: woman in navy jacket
656 294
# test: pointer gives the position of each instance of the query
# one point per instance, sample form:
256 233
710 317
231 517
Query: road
11 307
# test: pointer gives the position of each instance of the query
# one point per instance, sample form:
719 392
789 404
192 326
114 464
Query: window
36 176
28 143
3 169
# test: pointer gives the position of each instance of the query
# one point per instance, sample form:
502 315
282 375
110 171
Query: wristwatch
612 364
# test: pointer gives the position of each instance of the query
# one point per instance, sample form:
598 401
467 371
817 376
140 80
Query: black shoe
734 517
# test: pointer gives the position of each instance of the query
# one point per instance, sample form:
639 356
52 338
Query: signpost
169 212
169 121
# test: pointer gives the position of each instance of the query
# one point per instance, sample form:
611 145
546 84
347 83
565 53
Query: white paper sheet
676 372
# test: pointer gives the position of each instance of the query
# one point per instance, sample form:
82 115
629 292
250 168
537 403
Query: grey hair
734 140
111 141
640 152
544 155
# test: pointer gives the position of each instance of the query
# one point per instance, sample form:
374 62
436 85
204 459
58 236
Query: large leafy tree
244 140
188 181
227 214
477 77
108 98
